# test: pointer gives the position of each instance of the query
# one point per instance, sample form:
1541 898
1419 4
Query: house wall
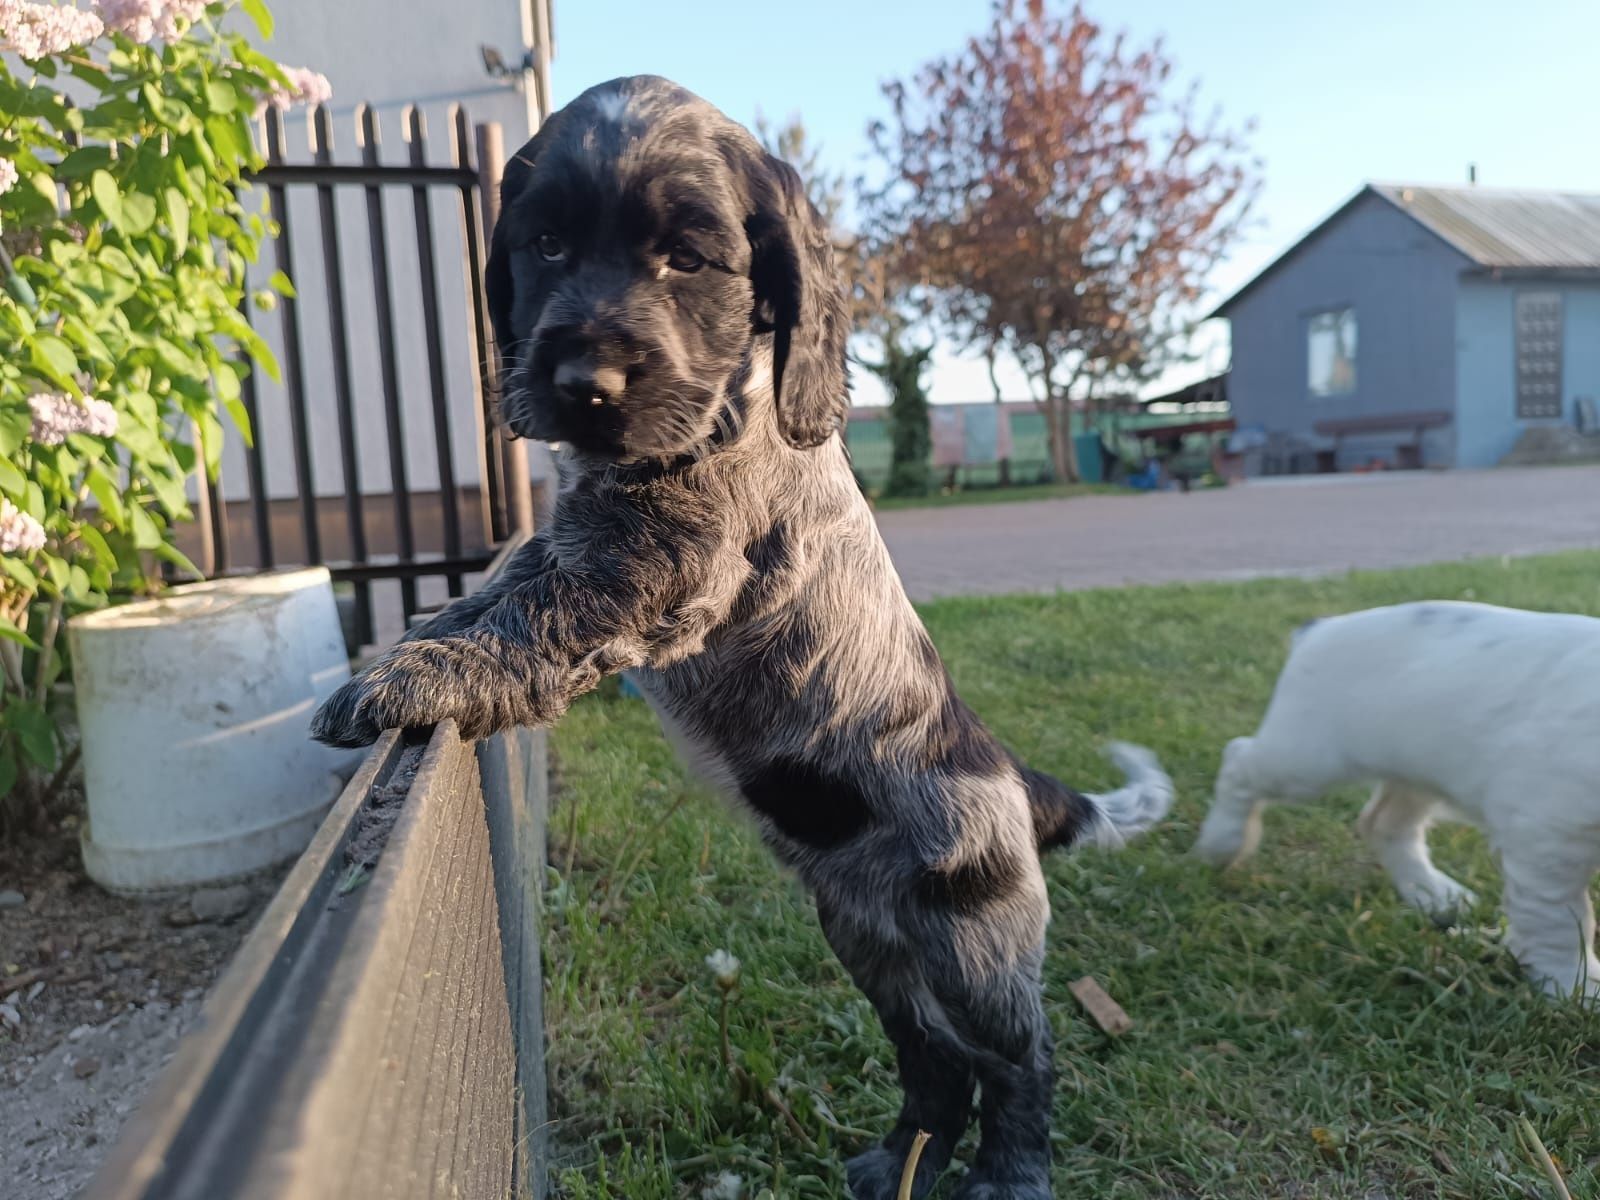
1487 422
1401 281
390 56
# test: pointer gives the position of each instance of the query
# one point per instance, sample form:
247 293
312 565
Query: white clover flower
19 532
726 1186
8 175
724 967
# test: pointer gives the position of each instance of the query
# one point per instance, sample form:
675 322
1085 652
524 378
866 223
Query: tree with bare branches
1053 196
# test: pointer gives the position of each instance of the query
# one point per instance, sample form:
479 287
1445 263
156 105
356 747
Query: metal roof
1508 228
1505 229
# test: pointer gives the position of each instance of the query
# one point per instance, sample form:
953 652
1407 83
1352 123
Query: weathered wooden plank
379 1035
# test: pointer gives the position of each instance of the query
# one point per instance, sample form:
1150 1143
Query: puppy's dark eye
683 257
550 248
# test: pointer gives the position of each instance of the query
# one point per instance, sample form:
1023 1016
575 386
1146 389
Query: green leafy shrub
123 251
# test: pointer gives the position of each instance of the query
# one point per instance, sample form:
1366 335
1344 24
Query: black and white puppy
668 309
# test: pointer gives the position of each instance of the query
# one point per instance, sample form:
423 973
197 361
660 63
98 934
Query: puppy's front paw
415 685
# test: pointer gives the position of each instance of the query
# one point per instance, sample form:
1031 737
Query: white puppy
1488 714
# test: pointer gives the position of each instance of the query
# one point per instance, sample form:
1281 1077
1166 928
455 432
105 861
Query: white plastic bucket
193 709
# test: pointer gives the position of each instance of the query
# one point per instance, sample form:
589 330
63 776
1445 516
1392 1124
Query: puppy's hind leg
979 933
936 1075
1551 914
1395 824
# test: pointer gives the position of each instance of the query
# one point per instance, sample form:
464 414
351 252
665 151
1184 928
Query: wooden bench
1408 454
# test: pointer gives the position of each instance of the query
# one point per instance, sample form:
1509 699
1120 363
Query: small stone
113 961
35 990
181 916
10 1015
85 1067
12 899
79 1032
218 904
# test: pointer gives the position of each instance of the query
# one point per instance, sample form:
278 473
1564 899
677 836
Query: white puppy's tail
1136 806
1063 817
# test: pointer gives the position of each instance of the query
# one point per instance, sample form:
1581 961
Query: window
1538 354
1331 353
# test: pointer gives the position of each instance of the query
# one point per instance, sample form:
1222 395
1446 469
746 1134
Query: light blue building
1421 326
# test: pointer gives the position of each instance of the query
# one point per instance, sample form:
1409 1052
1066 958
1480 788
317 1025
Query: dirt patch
65 1107
95 991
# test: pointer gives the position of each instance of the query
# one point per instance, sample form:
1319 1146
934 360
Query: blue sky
1408 90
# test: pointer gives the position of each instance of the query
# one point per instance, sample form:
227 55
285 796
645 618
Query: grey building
1421 326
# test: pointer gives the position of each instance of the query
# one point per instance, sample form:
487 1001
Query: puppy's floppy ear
799 298
499 293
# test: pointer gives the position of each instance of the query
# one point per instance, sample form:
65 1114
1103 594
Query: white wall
389 55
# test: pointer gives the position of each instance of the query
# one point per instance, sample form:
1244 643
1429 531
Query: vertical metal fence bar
518 482
344 400
254 460
383 300
294 366
216 509
491 484
416 134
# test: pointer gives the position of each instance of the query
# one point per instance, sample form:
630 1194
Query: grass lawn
1004 495
1299 1033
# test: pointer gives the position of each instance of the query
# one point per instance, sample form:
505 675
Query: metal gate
410 535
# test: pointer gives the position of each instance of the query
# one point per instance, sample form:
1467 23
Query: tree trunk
991 354
1058 422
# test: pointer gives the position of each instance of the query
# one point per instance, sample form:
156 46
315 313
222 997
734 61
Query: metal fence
407 535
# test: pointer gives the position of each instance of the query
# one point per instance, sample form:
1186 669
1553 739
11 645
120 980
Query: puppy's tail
1063 817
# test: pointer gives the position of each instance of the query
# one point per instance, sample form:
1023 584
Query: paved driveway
1298 525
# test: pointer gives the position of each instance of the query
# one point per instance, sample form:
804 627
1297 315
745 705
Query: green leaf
221 97
170 553
138 213
279 282
177 220
53 358
60 574
11 633
36 733
257 12
12 481
240 417
104 190
97 545
19 571
82 161
109 500
146 533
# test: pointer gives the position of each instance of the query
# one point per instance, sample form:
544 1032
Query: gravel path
1300 525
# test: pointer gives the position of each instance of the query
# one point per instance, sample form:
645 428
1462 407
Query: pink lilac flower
305 87
134 18
189 11
8 175
145 20
56 414
19 533
34 31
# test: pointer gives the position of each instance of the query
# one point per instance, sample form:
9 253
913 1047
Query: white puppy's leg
1551 916
1395 824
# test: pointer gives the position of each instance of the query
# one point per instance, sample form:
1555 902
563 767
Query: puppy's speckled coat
668 308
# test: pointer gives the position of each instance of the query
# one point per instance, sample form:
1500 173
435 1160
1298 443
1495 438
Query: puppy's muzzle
580 382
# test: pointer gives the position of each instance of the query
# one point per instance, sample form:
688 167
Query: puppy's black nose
583 381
